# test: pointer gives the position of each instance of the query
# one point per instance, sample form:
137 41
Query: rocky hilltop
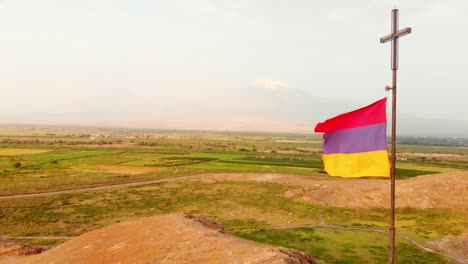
175 238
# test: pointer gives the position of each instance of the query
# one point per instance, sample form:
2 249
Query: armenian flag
355 142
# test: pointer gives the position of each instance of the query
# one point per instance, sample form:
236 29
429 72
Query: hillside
181 238
442 190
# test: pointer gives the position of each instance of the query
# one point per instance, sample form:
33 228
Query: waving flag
355 142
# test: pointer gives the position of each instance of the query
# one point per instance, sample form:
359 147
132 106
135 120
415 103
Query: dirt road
100 188
443 190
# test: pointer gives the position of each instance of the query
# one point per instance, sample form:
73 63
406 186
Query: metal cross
393 37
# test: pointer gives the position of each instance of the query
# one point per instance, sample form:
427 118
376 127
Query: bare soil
187 239
443 190
181 238
12 251
121 169
455 245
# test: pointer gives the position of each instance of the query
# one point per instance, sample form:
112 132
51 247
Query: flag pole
391 257
394 36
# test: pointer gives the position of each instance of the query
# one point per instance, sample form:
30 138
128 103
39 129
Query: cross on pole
393 37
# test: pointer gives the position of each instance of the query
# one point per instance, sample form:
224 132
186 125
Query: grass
40 242
316 164
34 181
343 246
221 156
77 155
431 149
173 161
64 167
408 173
416 166
237 205
239 167
236 224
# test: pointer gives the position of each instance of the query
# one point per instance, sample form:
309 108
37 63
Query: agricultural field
189 171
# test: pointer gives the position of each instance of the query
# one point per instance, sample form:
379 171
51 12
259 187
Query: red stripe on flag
367 115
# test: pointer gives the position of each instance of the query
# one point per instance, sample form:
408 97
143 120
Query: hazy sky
136 63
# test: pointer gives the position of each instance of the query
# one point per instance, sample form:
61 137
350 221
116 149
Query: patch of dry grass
20 151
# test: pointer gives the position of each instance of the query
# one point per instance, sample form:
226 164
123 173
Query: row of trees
16 141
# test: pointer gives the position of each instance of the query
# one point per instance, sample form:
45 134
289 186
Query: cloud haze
254 65
269 84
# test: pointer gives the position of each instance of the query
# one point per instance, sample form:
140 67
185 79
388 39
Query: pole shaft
393 150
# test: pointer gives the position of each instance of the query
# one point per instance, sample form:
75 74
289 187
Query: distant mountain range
300 112
281 110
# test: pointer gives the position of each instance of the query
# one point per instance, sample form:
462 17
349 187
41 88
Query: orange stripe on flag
372 163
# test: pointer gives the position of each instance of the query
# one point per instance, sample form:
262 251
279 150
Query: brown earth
11 248
184 239
171 238
10 251
443 190
121 169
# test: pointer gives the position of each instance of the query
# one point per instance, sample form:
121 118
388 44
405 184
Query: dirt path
100 188
443 190
428 191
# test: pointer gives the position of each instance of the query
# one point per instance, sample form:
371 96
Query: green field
47 159
343 246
